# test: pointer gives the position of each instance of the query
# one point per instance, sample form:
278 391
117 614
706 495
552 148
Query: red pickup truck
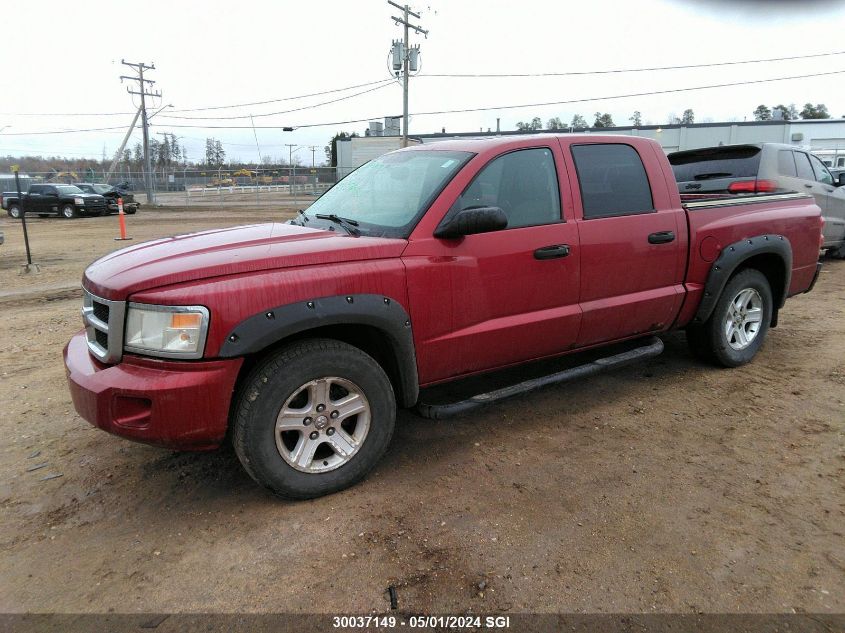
431 263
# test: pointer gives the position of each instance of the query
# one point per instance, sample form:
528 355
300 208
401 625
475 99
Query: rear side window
805 170
523 184
613 180
740 161
786 163
36 189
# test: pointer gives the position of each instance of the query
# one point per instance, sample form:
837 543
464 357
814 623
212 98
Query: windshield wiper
347 223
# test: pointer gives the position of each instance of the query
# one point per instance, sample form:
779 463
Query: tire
837 253
735 331
14 211
69 212
292 380
127 212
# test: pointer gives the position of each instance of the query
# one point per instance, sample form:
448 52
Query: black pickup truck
67 201
112 194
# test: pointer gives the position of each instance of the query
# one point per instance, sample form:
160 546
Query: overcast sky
207 53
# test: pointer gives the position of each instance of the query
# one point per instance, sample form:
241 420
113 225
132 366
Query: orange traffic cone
122 218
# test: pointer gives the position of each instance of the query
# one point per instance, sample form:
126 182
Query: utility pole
139 68
313 149
409 59
292 171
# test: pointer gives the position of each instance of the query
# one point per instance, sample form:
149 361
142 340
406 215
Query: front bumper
182 405
130 207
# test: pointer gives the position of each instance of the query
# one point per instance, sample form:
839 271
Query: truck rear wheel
735 331
14 211
69 212
313 418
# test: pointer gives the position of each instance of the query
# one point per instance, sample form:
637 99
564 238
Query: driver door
493 299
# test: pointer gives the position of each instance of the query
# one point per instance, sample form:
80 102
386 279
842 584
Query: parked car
67 201
766 167
449 259
111 194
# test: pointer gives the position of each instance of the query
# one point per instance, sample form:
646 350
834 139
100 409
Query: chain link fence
204 186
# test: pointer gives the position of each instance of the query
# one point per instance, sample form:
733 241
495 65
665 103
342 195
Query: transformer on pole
405 59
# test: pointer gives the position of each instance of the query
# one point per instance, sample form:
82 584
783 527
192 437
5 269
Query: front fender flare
731 257
260 331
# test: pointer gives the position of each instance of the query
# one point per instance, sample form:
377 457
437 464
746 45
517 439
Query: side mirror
471 221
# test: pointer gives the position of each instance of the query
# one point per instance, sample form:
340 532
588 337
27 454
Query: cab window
613 180
522 183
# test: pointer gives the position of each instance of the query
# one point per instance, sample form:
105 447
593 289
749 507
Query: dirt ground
668 486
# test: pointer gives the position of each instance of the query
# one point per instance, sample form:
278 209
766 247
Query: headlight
79 201
166 331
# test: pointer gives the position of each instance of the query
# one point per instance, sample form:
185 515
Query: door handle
552 252
663 237
808 186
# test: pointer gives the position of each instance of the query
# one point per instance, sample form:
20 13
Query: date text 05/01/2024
422 621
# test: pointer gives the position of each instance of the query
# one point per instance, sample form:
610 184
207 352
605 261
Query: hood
223 252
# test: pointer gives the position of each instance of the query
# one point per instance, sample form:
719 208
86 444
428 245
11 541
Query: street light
292 151
169 105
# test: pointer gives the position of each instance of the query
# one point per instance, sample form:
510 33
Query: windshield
69 189
101 188
387 195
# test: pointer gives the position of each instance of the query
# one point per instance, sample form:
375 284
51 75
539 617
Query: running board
652 347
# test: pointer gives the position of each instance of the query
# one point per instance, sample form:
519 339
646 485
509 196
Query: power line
254 103
633 70
384 84
74 131
220 107
446 75
461 110
632 94
548 103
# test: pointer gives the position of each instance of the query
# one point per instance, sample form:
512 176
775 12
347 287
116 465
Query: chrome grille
103 321
101 311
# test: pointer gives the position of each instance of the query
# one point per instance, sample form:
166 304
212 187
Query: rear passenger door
633 242
32 201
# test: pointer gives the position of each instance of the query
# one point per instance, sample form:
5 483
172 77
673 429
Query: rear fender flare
732 257
260 331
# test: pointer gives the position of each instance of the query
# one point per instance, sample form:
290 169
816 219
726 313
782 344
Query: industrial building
824 137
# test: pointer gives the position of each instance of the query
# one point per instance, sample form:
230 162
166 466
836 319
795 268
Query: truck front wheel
313 418
735 331
69 212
